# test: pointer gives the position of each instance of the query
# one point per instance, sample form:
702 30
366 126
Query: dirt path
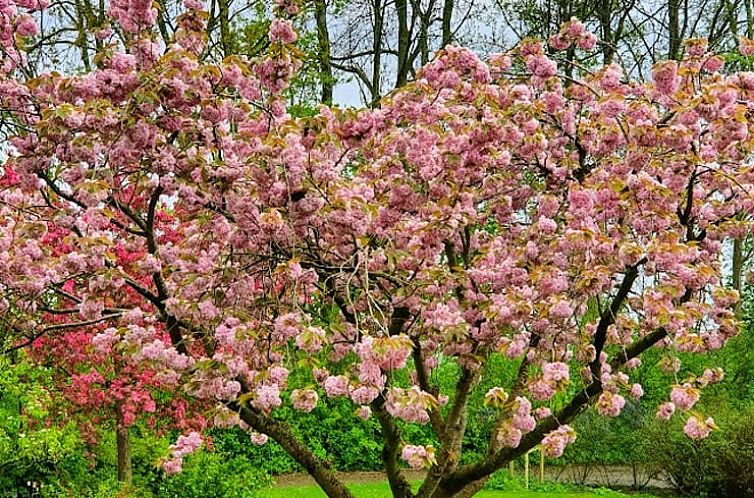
595 476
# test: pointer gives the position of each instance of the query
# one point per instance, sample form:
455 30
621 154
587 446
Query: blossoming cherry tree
565 222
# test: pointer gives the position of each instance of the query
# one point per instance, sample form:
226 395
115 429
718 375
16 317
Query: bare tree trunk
674 30
423 44
404 39
377 48
123 444
737 268
605 17
324 47
451 438
224 18
447 18
162 22
82 41
732 13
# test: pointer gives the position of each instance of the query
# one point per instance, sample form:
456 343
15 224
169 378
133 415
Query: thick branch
456 481
422 376
608 316
282 434
451 439
391 444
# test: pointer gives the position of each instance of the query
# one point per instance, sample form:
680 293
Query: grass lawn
381 490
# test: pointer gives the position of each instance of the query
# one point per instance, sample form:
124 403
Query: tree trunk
377 49
323 55
224 14
391 437
467 492
401 7
123 444
606 31
674 29
447 17
423 44
731 9
737 270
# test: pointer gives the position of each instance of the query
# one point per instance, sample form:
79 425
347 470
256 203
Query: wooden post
541 465
511 468
526 469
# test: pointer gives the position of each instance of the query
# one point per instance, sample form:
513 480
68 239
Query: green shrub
721 466
213 475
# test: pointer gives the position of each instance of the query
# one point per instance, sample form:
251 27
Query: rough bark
447 18
377 51
123 444
604 13
224 19
674 29
324 49
391 437
404 40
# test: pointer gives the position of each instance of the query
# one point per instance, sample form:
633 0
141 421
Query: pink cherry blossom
542 412
555 442
698 428
267 397
336 385
418 456
26 25
746 46
636 391
364 412
173 466
186 444
610 404
509 436
684 397
304 399
258 438
665 411
281 31
665 76
522 418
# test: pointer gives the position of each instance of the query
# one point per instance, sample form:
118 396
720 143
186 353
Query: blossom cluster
554 442
575 33
419 456
184 445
